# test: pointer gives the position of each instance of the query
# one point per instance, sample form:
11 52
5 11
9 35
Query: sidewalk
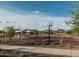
42 50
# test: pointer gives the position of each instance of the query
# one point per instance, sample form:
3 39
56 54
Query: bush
69 31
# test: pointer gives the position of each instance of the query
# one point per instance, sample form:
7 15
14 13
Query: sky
35 14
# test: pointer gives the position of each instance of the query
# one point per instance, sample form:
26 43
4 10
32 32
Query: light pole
49 33
19 32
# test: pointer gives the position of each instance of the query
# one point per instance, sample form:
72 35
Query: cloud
31 20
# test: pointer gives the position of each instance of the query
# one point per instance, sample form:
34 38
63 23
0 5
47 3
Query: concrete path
52 51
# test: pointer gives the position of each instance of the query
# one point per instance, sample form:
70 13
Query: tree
69 31
24 31
34 32
74 22
9 32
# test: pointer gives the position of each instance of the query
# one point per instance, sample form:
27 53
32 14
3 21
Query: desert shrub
0 50
37 43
